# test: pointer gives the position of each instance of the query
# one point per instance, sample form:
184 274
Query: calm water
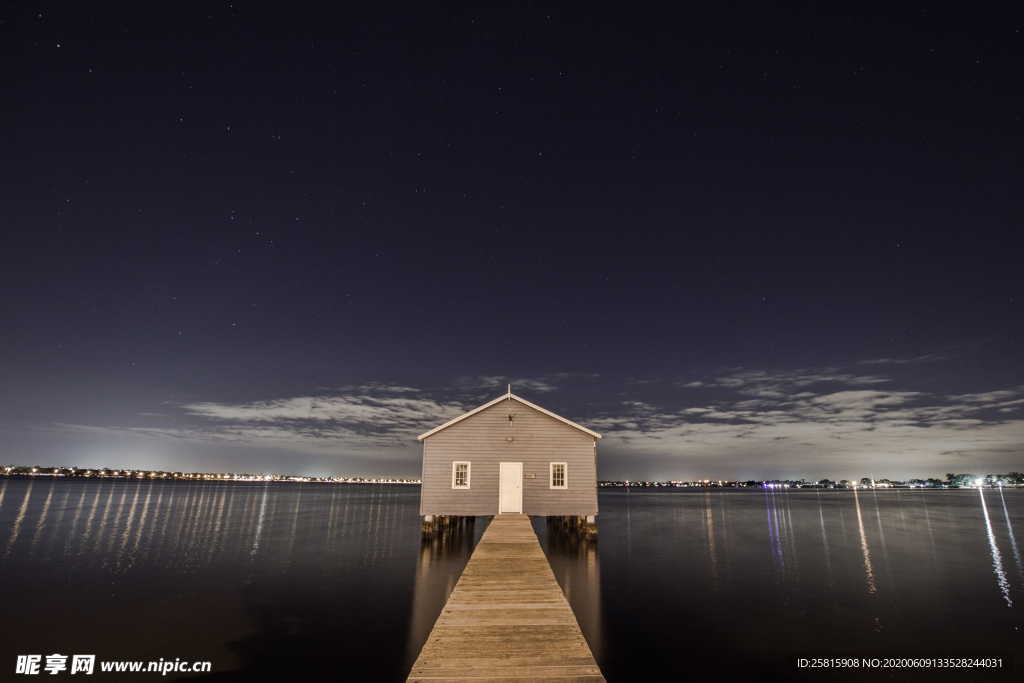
299 580
310 582
739 584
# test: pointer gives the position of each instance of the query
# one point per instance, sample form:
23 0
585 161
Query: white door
510 487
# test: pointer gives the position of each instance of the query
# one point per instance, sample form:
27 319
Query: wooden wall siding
537 441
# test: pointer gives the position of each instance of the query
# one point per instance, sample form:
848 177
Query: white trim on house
509 397
565 475
469 470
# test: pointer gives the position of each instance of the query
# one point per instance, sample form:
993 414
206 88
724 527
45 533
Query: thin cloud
926 358
743 421
372 417
493 383
866 425
776 384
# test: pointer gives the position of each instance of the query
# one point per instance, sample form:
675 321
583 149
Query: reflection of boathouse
509 456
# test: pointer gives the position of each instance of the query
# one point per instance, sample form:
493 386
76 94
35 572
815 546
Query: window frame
469 473
565 475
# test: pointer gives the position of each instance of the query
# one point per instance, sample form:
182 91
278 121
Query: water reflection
576 564
824 539
94 551
41 523
782 535
881 534
128 553
791 534
295 526
259 523
87 534
774 533
156 527
723 525
218 524
869 571
56 526
923 495
442 555
126 535
79 507
709 533
1013 539
997 557
20 519
291 579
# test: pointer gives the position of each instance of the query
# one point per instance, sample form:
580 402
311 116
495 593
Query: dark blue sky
741 241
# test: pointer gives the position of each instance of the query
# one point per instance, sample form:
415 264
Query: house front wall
489 438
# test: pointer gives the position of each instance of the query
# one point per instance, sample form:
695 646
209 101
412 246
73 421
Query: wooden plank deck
507 619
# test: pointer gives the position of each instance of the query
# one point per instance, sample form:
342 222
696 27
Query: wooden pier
507 619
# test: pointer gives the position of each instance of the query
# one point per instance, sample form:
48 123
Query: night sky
739 241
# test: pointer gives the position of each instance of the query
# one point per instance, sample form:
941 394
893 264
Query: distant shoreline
664 487
190 477
797 489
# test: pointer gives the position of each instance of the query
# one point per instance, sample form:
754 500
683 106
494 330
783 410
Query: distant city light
131 473
952 481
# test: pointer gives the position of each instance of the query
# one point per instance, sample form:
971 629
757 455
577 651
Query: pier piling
438 524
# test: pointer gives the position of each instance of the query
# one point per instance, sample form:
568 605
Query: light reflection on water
19 520
997 557
802 581
287 579
709 532
824 541
869 570
441 558
269 579
1013 538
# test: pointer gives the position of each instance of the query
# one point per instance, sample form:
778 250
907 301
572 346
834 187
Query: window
559 478
460 475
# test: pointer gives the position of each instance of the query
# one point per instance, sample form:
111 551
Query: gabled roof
507 397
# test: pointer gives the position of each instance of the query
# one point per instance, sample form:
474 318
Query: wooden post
441 524
574 525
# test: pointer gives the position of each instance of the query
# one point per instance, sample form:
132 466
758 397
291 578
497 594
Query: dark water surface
736 585
332 582
305 581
